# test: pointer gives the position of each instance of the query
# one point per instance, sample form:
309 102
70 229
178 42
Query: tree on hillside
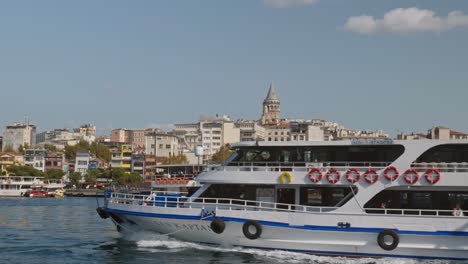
92 176
222 154
54 174
22 149
132 178
75 178
9 149
176 159
98 150
114 173
50 148
24 171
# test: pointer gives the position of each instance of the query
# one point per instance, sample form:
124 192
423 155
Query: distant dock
84 192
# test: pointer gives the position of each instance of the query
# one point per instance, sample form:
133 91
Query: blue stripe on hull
286 225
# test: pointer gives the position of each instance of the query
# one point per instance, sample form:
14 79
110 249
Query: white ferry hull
12 193
419 238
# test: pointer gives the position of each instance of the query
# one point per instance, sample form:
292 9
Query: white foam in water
158 243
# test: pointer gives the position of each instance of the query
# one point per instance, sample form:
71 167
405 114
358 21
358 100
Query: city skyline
138 66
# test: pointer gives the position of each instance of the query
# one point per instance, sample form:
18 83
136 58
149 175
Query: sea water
68 230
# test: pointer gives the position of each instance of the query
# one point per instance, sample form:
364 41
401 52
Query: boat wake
155 243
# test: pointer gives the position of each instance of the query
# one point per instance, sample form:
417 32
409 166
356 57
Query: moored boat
17 186
362 198
59 193
38 194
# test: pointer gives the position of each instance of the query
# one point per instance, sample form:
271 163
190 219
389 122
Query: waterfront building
271 108
82 162
250 131
86 132
17 135
54 161
161 144
134 137
305 132
119 135
35 158
95 164
138 163
150 166
62 137
189 136
210 132
444 133
122 157
437 132
279 133
126 152
116 158
6 160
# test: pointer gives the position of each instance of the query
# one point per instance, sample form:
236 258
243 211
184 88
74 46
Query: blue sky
367 64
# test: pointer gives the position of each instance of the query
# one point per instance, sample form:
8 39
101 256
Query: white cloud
406 20
288 3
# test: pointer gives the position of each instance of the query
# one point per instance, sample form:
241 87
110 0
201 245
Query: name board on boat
207 213
371 142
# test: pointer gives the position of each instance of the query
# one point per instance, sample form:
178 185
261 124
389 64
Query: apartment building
17 135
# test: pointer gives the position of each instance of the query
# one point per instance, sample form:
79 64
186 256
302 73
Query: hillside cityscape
62 152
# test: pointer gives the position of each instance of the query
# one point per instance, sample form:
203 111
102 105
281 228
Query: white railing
412 212
163 199
299 166
441 166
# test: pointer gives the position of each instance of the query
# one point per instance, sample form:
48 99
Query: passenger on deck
457 211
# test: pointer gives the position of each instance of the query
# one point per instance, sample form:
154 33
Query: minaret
271 108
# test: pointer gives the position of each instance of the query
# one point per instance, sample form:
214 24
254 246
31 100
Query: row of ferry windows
380 153
386 153
395 200
418 199
317 196
14 187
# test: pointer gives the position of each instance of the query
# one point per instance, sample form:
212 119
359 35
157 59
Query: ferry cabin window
325 196
306 154
418 200
445 153
237 191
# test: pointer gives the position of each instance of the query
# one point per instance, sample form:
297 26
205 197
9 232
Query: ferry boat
15 186
356 198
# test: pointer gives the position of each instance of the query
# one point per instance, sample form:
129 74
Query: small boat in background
59 193
38 194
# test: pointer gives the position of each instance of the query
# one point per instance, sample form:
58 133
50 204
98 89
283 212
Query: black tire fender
218 226
381 239
246 229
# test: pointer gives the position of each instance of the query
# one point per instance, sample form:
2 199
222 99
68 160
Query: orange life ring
429 178
350 177
390 177
371 176
409 179
312 174
330 174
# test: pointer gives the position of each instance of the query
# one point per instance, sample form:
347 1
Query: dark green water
69 231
